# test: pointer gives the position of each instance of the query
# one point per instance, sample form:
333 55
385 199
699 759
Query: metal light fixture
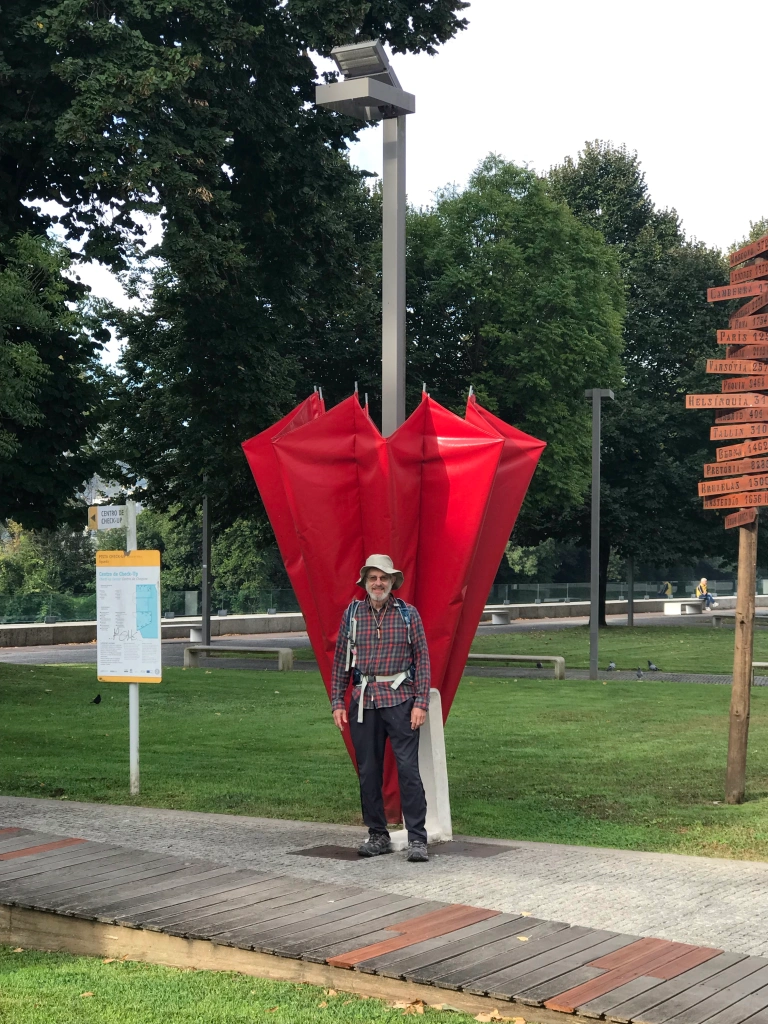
370 91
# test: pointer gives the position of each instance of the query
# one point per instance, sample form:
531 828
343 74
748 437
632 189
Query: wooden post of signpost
739 478
735 780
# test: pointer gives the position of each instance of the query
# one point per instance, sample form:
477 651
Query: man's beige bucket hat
384 563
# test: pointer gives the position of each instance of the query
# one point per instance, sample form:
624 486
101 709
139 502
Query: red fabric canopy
440 495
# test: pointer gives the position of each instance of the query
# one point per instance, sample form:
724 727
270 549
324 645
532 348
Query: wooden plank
750 273
123 879
747 499
247 907
751 1009
757 382
739 451
337 947
633 1005
747 311
749 251
143 907
577 952
741 338
61 881
43 864
201 879
749 323
747 366
542 994
759 415
459 972
735 431
726 292
670 959
664 1007
240 933
734 484
300 940
448 919
748 351
441 948
602 1005
12 829
481 955
161 876
724 401
740 518
706 1008
198 897
21 842
528 988
42 848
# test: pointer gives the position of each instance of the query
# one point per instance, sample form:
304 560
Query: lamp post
370 91
596 395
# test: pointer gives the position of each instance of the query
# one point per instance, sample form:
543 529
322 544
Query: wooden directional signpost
739 478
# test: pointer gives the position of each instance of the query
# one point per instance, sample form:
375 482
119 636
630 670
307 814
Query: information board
128 617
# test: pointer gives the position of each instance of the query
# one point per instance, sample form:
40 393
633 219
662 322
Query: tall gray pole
630 591
206 580
596 394
131 544
393 277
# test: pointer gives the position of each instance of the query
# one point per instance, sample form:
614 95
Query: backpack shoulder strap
405 615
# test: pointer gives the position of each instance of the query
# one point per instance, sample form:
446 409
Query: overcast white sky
533 81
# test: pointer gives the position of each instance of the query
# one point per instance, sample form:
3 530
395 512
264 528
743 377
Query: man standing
382 644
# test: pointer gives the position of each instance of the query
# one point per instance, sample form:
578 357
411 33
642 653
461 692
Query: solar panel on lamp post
370 91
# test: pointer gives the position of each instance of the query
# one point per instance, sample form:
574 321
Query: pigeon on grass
652 667
611 666
96 699
639 673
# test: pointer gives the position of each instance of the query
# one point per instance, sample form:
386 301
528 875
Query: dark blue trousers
369 738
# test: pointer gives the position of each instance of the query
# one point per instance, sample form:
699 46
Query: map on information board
128 634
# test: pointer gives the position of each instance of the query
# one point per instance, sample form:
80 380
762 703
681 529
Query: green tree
57 561
510 293
49 382
653 448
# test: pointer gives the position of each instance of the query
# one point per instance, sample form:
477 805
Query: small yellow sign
93 517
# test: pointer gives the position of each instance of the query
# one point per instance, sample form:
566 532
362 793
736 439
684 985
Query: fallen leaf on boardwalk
84 994
525 913
522 938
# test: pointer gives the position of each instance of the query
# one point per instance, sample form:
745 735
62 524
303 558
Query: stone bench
691 607
284 654
501 613
557 662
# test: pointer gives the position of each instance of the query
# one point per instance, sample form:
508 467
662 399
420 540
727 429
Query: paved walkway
704 901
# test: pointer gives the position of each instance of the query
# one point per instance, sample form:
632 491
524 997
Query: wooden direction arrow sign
736 483
758 383
743 416
741 518
735 500
752 273
732 431
741 337
747 351
749 323
737 291
747 310
741 451
748 252
738 468
724 401
736 366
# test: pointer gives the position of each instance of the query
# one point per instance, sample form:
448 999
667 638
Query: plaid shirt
386 657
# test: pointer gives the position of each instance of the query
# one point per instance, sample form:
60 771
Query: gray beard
383 598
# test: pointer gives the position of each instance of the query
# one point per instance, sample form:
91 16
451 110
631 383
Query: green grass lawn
637 765
57 988
672 648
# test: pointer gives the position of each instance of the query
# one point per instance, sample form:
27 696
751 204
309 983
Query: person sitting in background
704 595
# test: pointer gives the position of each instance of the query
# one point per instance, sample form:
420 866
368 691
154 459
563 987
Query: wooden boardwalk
598 974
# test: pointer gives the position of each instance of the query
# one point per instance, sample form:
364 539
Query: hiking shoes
375 845
417 852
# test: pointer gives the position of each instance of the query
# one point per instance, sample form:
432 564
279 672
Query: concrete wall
35 633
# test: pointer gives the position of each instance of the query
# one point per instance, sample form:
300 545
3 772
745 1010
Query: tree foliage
49 390
510 293
653 448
